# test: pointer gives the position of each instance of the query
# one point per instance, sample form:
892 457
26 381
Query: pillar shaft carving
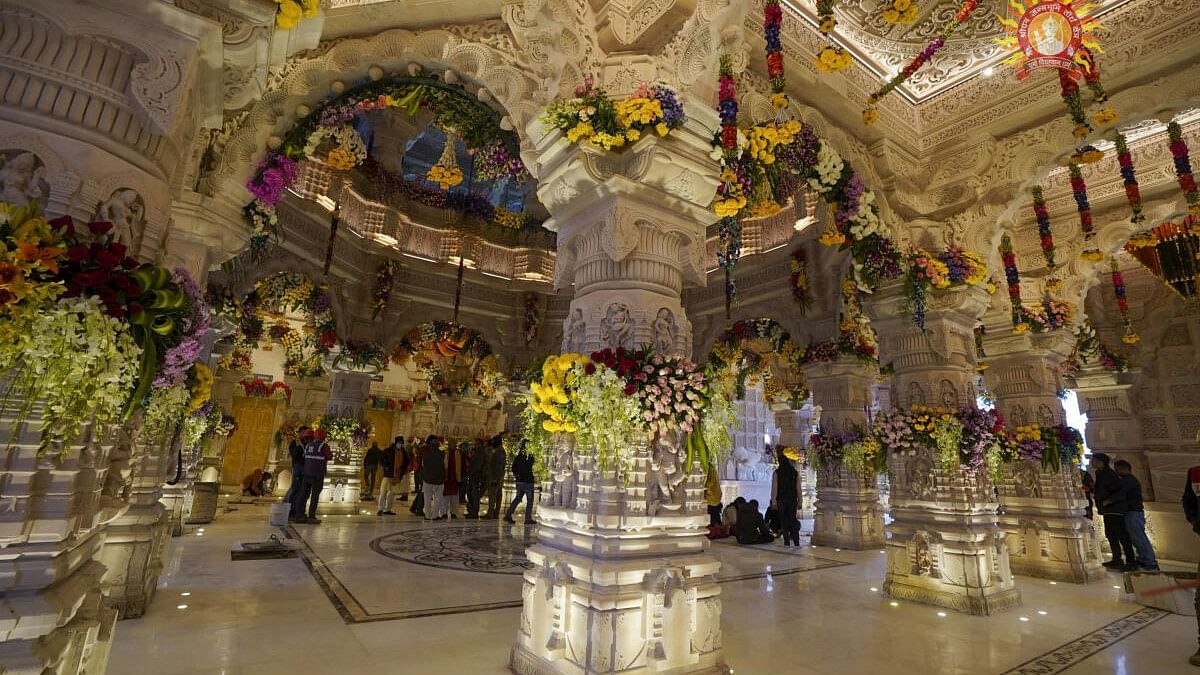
946 547
1023 373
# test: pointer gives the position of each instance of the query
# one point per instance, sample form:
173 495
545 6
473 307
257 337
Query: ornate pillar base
175 502
1042 512
204 502
945 547
133 553
848 513
623 582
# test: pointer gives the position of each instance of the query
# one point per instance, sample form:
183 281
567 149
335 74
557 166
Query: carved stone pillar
137 539
946 547
1042 509
348 391
848 513
1112 426
623 581
794 429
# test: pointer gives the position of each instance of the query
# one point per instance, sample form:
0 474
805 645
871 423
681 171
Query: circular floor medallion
476 548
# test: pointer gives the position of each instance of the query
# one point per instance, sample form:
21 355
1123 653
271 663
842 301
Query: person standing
387 481
712 496
296 455
476 463
433 477
403 460
494 475
371 463
1191 510
316 458
1110 503
1088 486
453 485
785 494
522 471
1135 517
416 451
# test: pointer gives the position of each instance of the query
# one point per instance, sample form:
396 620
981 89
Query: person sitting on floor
257 484
751 528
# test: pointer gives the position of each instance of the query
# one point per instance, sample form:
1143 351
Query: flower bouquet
346 430
593 117
860 454
966 438
938 271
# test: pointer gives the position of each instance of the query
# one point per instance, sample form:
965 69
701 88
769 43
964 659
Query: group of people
441 475
743 520
1117 494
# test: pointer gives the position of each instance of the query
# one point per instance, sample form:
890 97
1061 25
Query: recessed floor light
837 549
874 590
1117 587
1042 612
894 604
1024 618
941 614
181 606
1053 583
185 594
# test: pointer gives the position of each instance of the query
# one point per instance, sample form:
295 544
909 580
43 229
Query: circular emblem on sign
1049 35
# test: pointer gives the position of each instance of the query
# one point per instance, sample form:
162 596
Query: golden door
382 422
247 448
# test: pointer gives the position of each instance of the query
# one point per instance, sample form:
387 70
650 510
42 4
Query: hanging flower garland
257 387
1048 316
289 13
831 58
1118 281
731 196
1074 102
801 292
940 270
1013 276
1079 191
899 11
1129 177
1046 236
1091 75
772 23
871 113
445 171
1183 167
381 294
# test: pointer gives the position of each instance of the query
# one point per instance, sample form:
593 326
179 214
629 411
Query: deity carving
916 395
949 394
665 490
1025 480
616 330
562 492
1019 417
664 332
125 209
919 475
22 178
1044 415
922 556
576 331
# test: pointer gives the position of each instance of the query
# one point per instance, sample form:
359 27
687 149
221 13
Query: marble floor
396 595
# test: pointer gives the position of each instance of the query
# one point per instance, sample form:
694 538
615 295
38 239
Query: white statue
126 211
22 179
664 332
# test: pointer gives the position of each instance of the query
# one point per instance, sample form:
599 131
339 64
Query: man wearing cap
296 455
316 457
1112 504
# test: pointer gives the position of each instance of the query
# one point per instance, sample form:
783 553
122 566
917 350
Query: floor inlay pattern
1075 651
476 548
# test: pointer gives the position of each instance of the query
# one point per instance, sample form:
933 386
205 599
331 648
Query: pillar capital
1023 373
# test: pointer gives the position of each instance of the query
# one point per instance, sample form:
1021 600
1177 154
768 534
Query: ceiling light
1042 612
1024 618
185 594
874 590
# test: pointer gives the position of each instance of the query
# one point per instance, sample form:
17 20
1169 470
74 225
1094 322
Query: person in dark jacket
751 528
433 476
416 451
296 455
1191 509
522 471
388 480
785 496
1135 517
1110 503
316 458
1088 486
371 462
474 469
494 476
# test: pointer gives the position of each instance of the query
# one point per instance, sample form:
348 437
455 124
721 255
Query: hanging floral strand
1183 167
1013 276
772 22
730 196
1046 236
381 294
831 58
1129 176
870 114
1074 103
1079 191
1091 75
800 281
1118 281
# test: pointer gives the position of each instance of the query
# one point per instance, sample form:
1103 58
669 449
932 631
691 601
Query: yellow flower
632 134
833 59
340 159
581 131
662 128
1020 328
1131 338
1082 130
1092 255
870 115
779 100
832 237
728 175
1104 117
828 25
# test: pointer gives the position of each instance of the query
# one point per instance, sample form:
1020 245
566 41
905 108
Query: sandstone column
618 586
348 391
848 513
945 548
1041 508
1112 426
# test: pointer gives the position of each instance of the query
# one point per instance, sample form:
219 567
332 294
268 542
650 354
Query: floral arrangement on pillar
469 204
1052 446
256 387
969 438
871 113
831 58
735 357
861 454
289 13
1129 178
801 292
350 432
1089 346
1013 276
496 161
1183 167
361 355
1079 191
1118 281
1046 238
378 402
381 292
533 317
445 171
615 401
1047 316
327 134
593 117
206 423
940 270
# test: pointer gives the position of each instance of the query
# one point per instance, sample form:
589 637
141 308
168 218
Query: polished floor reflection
396 595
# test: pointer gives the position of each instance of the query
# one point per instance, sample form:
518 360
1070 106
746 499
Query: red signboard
1049 34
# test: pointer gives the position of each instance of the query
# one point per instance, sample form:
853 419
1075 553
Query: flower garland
941 270
1051 446
1183 167
831 58
259 388
1049 316
1069 89
389 188
445 171
968 437
733 358
430 344
533 317
289 13
339 147
1046 236
361 356
1079 191
495 161
1013 277
871 113
801 292
1088 346
731 193
860 454
381 293
1129 177
593 117
899 11
193 325
378 402
1118 281
1091 75
772 23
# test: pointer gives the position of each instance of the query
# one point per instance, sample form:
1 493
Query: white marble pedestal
848 513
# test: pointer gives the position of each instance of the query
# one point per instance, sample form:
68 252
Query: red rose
100 229
118 248
630 389
135 307
589 368
108 259
77 254
130 263
729 137
115 310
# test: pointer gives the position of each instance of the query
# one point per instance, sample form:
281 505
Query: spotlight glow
874 590
1042 612
185 594
894 604
942 614
1023 618
181 606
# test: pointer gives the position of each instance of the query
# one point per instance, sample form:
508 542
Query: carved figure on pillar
664 332
616 329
